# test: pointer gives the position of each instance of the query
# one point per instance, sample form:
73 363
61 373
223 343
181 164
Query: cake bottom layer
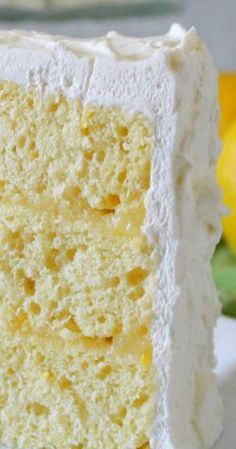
76 393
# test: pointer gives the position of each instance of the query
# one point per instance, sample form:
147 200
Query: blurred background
215 21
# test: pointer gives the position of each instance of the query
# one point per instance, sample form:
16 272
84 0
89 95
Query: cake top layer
113 44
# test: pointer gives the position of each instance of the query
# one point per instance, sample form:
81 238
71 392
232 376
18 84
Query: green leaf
224 274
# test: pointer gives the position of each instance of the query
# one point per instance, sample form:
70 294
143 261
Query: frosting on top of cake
112 44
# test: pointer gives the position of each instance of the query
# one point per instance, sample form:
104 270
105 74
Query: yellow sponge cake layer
73 184
75 393
77 274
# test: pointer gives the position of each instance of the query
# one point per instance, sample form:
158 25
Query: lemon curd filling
77 274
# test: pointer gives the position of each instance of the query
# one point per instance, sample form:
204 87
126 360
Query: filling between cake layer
77 275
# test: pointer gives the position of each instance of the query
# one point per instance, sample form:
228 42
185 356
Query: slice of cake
109 215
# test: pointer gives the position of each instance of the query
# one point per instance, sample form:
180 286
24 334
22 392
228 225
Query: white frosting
170 79
113 44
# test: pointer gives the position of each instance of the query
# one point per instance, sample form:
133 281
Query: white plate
226 370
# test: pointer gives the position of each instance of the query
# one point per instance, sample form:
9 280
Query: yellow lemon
227 96
226 173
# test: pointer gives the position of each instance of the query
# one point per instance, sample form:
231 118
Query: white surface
215 21
226 370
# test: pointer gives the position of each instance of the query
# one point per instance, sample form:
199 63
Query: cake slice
109 216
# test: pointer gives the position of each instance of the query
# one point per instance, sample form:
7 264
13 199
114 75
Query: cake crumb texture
77 274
